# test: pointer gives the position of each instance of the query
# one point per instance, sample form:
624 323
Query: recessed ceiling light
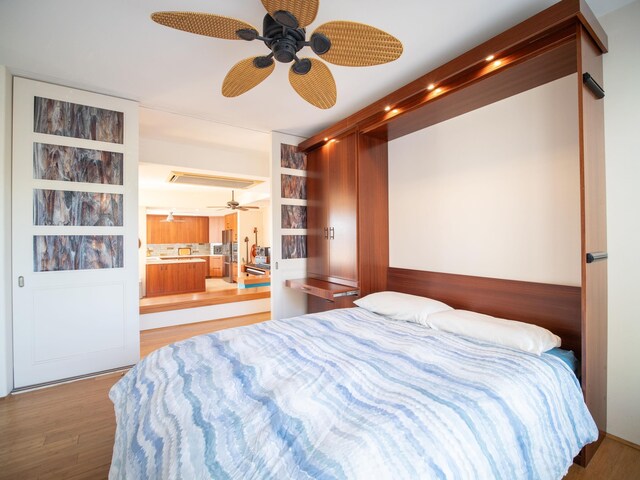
431 86
489 58
395 110
326 139
438 90
497 63
387 108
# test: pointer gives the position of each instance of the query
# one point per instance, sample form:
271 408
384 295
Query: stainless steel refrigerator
229 255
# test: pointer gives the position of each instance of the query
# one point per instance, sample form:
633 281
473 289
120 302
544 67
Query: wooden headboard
554 307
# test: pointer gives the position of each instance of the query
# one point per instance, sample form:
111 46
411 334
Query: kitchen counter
181 259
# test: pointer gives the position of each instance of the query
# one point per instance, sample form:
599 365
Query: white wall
492 193
6 340
222 159
285 302
203 314
622 142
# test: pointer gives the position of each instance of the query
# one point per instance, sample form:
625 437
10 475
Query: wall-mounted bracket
595 256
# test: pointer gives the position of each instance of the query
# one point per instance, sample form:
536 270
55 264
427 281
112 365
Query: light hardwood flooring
67 431
166 303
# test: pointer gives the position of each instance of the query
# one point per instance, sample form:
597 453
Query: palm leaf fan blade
317 86
305 11
208 24
358 45
243 76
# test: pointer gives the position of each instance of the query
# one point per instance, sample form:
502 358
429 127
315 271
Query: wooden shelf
320 288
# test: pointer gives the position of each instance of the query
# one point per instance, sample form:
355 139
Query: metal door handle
21 281
326 233
333 233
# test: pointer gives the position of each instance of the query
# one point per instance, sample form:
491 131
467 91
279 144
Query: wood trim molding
554 19
623 441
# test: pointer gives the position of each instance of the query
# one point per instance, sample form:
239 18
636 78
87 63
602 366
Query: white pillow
402 306
520 335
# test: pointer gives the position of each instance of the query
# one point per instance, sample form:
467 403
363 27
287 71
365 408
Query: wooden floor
192 300
67 431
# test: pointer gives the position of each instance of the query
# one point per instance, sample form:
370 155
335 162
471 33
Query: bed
347 394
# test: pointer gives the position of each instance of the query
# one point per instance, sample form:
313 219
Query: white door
74 229
285 302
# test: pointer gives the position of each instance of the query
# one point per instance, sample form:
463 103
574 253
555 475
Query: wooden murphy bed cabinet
564 39
331 212
347 221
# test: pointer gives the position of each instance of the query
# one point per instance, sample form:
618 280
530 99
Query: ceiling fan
339 42
233 205
171 219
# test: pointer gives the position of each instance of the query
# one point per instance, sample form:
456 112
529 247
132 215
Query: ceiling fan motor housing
284 42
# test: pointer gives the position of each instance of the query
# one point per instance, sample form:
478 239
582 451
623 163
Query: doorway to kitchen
203 252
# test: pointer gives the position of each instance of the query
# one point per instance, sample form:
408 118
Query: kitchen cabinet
215 268
216 226
206 264
231 223
175 277
185 229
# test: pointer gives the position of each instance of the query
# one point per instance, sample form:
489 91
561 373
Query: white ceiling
113 47
157 194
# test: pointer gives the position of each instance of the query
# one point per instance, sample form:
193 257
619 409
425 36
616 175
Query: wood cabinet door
154 229
199 274
202 229
186 277
233 226
317 203
216 226
342 218
216 266
154 283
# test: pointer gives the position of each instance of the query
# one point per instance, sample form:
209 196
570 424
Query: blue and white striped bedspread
346 394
